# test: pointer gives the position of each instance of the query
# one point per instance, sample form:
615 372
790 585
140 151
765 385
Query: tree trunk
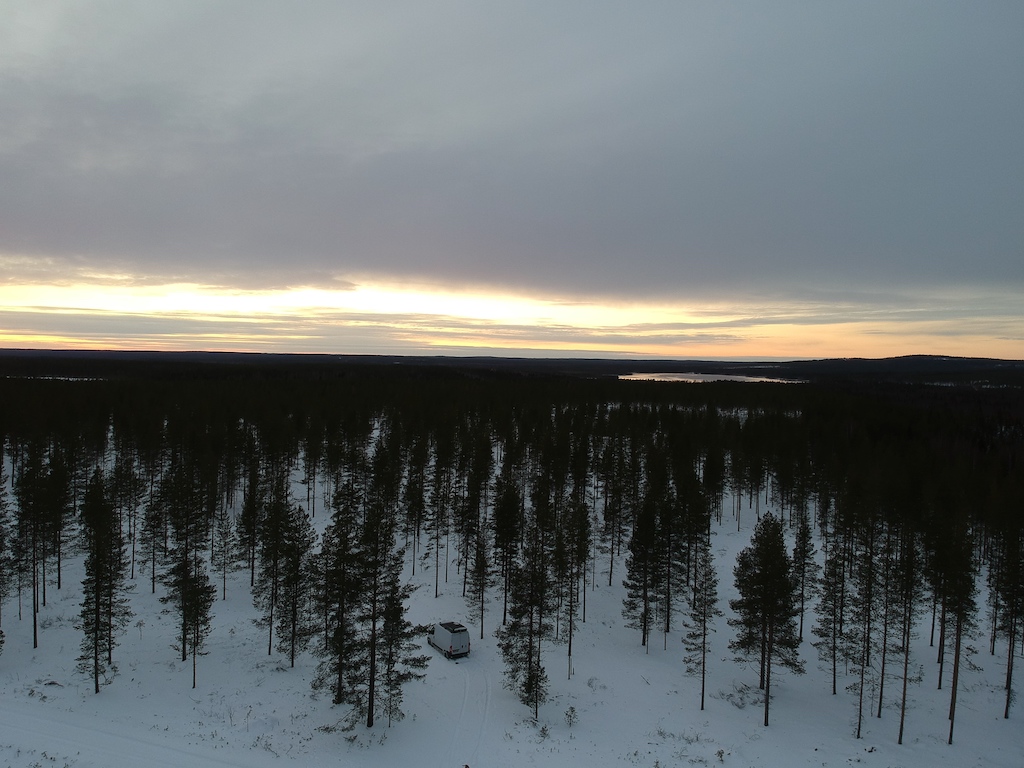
768 675
703 653
1009 665
96 644
863 670
956 674
907 626
942 641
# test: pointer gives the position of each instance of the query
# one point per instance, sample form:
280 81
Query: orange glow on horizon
408 320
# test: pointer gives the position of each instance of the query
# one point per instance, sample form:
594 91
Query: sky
604 179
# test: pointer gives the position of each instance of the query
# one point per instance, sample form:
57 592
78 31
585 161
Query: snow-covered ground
633 707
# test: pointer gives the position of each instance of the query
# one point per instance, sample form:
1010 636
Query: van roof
453 626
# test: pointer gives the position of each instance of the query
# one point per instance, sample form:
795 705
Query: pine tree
832 642
340 582
8 564
250 521
273 531
643 570
153 540
865 606
703 599
194 595
962 605
397 646
127 489
805 567
382 565
766 609
30 492
911 593
671 553
60 502
507 523
520 640
414 493
479 574
295 623
613 503
105 610
442 493
577 527
224 555
189 590
8 546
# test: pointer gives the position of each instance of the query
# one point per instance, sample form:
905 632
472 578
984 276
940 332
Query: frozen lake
698 377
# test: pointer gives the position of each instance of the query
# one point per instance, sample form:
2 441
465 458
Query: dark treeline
901 506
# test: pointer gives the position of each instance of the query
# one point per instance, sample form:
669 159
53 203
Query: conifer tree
295 624
613 502
479 574
643 569
397 646
671 554
189 590
531 602
7 559
961 604
442 495
273 532
865 606
340 581
508 524
250 521
766 609
890 605
910 588
193 596
30 492
1010 586
224 554
105 610
153 539
832 642
577 525
127 489
805 567
61 485
414 493
703 599
382 564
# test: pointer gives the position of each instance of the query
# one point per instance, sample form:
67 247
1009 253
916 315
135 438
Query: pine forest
881 512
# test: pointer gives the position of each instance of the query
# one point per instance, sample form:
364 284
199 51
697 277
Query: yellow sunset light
396 318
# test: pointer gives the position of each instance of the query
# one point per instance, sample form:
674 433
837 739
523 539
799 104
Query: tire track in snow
86 743
486 715
453 745
473 715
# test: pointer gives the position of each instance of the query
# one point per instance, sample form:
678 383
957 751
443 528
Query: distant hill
917 369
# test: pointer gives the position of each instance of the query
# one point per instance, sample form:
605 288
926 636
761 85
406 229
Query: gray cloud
653 149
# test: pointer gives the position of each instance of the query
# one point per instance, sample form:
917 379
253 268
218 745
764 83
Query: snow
635 706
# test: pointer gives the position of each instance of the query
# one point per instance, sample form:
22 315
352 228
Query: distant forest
903 502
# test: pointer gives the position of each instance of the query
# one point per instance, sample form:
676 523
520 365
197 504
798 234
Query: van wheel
447 654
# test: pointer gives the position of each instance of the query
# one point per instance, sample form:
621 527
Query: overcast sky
683 171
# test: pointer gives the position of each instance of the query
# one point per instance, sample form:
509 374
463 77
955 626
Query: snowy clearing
633 707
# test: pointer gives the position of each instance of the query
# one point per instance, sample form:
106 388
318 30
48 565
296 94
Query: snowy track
469 729
81 741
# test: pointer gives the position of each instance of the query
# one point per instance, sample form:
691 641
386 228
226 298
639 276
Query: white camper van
450 638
